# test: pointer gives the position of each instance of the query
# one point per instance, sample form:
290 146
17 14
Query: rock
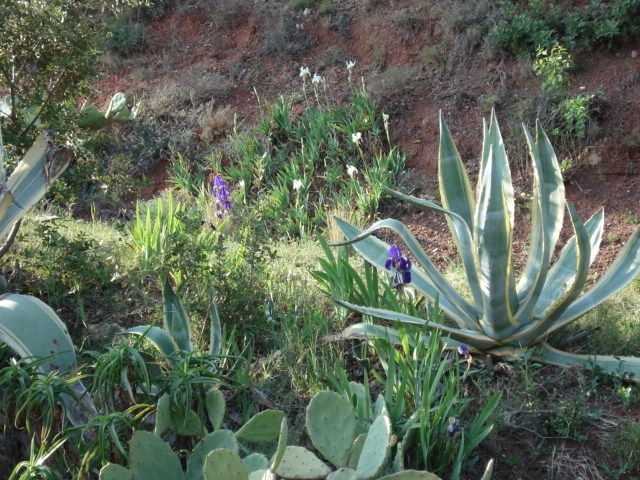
103 331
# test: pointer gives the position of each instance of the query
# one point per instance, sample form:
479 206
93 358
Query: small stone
634 54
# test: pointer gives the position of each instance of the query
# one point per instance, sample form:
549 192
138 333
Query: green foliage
294 168
553 66
49 51
116 111
503 311
526 26
126 37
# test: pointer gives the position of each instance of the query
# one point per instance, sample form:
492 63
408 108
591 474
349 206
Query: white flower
350 64
351 170
317 78
356 137
241 183
297 185
305 72
385 117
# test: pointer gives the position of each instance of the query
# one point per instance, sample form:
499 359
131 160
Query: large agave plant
506 313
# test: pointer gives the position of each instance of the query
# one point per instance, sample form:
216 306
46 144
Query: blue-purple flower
453 430
463 350
220 194
400 265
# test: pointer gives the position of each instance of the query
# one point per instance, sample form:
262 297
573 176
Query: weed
284 38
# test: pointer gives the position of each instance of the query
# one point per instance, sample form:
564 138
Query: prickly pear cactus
263 427
343 473
356 450
216 407
298 463
223 464
282 445
92 117
375 450
178 419
255 462
151 458
111 471
331 424
218 439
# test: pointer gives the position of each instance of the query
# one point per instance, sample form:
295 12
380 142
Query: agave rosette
505 313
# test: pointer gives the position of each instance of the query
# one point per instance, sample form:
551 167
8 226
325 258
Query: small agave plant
506 313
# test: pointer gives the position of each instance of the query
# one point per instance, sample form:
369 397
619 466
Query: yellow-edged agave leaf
469 337
547 216
32 329
583 258
563 272
32 177
624 269
436 278
493 234
375 251
462 236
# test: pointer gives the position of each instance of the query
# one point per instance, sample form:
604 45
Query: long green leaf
564 270
375 251
548 213
160 339
439 282
622 271
469 337
583 258
176 321
493 234
215 327
461 233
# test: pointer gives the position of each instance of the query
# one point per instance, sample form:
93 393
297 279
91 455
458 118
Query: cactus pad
218 439
255 461
263 427
111 471
375 449
178 419
215 407
151 458
356 449
331 423
223 464
343 473
282 445
411 475
298 463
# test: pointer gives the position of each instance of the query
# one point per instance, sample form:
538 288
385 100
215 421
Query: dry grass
215 122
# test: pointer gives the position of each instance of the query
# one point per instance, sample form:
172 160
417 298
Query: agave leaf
622 271
160 339
455 188
469 337
493 234
555 309
439 282
462 237
32 177
564 270
548 212
176 322
375 251
609 363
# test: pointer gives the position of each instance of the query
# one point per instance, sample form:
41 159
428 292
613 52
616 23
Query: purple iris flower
401 267
453 429
220 194
463 350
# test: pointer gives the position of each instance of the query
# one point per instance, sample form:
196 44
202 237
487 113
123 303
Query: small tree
49 55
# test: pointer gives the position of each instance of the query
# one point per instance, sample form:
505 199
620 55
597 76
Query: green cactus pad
298 463
380 407
118 103
215 407
263 427
177 419
257 475
343 473
223 464
331 423
218 439
376 448
356 449
282 445
111 471
411 475
255 461
151 458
